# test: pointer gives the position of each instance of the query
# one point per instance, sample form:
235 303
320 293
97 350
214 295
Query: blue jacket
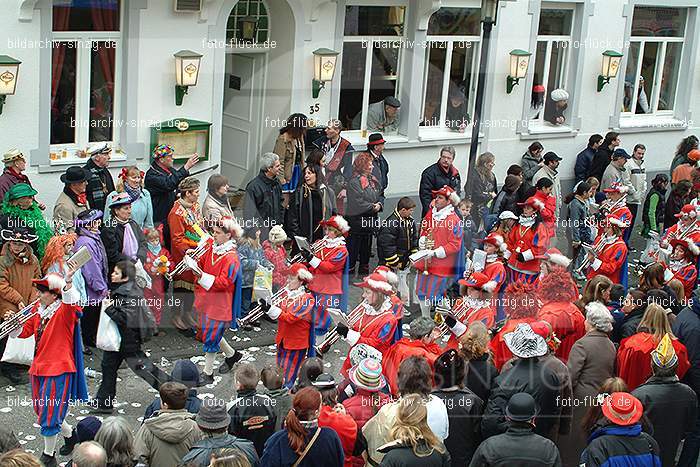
686 327
621 446
250 260
141 210
326 450
583 163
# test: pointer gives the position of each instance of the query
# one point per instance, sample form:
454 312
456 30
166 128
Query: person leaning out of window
556 106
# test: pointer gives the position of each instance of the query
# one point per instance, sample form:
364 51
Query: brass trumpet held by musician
191 256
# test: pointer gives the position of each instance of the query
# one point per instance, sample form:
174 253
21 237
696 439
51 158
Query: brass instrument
315 248
257 312
429 245
194 254
18 320
593 249
332 337
461 312
608 208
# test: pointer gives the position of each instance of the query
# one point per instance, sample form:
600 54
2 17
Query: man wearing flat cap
382 116
73 200
100 182
15 165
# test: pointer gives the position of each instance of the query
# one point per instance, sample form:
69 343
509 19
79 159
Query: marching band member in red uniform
546 204
557 292
682 265
687 226
616 192
441 237
609 255
217 295
527 242
494 247
57 376
553 260
397 306
329 267
377 325
479 290
294 315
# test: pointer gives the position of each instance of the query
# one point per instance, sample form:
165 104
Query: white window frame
85 40
450 41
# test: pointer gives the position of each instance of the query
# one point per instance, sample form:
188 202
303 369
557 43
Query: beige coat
212 209
65 211
285 148
16 279
163 440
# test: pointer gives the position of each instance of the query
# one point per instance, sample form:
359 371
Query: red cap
688 211
377 283
622 408
449 193
300 271
337 222
616 187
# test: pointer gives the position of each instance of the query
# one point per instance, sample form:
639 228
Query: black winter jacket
252 418
163 189
631 322
600 162
100 184
434 178
399 455
397 239
263 203
517 446
307 208
481 373
671 407
535 378
686 328
132 316
112 235
464 410
362 194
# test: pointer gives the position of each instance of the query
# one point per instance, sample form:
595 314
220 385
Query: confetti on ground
83 411
22 442
121 411
271 347
36 425
6 409
30 437
327 365
205 395
253 349
140 419
80 418
246 339
136 404
10 389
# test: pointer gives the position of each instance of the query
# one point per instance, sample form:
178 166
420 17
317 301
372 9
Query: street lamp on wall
519 61
9 68
324 69
186 72
610 68
248 28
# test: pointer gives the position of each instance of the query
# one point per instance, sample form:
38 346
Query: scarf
18 175
130 246
677 265
154 249
526 221
34 219
75 197
134 193
223 200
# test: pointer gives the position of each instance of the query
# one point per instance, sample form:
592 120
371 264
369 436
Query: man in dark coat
686 328
263 196
603 155
584 159
670 405
438 175
398 236
162 180
100 183
380 169
519 445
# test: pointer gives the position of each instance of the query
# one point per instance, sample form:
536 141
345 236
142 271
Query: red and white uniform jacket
327 266
54 334
610 260
687 273
480 310
446 230
294 317
495 270
567 324
676 229
548 210
213 294
375 328
532 242
402 350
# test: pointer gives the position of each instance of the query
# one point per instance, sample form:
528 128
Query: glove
342 329
521 258
450 321
264 306
307 255
421 243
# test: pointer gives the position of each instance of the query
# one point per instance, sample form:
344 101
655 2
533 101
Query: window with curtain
84 72
451 71
551 59
371 60
653 60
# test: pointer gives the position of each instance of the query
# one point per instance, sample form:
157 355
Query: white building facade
104 71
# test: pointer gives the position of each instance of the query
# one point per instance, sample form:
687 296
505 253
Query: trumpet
257 312
315 248
608 208
332 337
18 320
595 250
461 312
194 254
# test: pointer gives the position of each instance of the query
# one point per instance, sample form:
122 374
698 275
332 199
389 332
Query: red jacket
547 211
447 234
375 330
688 275
54 350
672 232
328 268
294 322
532 243
486 314
496 272
567 323
344 426
634 358
610 261
499 349
213 294
402 350
278 258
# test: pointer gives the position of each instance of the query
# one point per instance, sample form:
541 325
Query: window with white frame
451 67
84 75
653 60
371 60
551 61
248 8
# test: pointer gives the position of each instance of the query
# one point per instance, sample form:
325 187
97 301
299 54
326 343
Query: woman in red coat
557 292
634 354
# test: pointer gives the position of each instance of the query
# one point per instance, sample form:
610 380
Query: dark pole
478 107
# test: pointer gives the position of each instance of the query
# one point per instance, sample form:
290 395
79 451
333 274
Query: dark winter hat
374 139
619 153
187 373
87 428
521 407
551 156
391 101
212 415
324 381
74 174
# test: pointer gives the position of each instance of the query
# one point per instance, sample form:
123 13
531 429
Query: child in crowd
273 381
251 255
464 210
277 255
158 263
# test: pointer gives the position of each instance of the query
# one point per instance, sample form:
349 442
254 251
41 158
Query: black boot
207 379
48 461
69 444
229 362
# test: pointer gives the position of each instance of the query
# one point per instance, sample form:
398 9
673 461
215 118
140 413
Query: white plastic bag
108 337
19 351
404 289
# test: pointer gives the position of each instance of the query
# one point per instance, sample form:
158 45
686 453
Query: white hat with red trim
337 222
230 225
388 275
377 283
555 256
688 212
616 187
496 240
449 193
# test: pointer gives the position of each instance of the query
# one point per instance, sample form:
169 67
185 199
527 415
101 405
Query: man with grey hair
100 183
263 197
89 454
441 173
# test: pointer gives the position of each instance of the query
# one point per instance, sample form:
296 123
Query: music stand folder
302 243
338 316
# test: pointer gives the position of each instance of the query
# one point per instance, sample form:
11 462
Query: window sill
443 134
68 156
427 137
60 165
641 124
544 130
356 139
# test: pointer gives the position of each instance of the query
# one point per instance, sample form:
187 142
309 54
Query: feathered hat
449 193
338 223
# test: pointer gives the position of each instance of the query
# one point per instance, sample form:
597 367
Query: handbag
19 351
108 337
308 447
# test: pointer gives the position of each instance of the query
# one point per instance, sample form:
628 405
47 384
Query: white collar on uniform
386 306
334 242
223 248
439 215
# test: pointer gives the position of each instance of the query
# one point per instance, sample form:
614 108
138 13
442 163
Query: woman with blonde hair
130 180
484 187
474 349
594 415
413 443
634 354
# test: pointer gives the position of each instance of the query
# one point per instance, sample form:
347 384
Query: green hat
20 190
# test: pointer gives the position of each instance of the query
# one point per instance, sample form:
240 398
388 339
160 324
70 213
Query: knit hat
559 95
11 155
521 407
213 415
368 375
187 373
664 355
163 150
524 343
20 190
420 327
277 234
622 408
87 428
